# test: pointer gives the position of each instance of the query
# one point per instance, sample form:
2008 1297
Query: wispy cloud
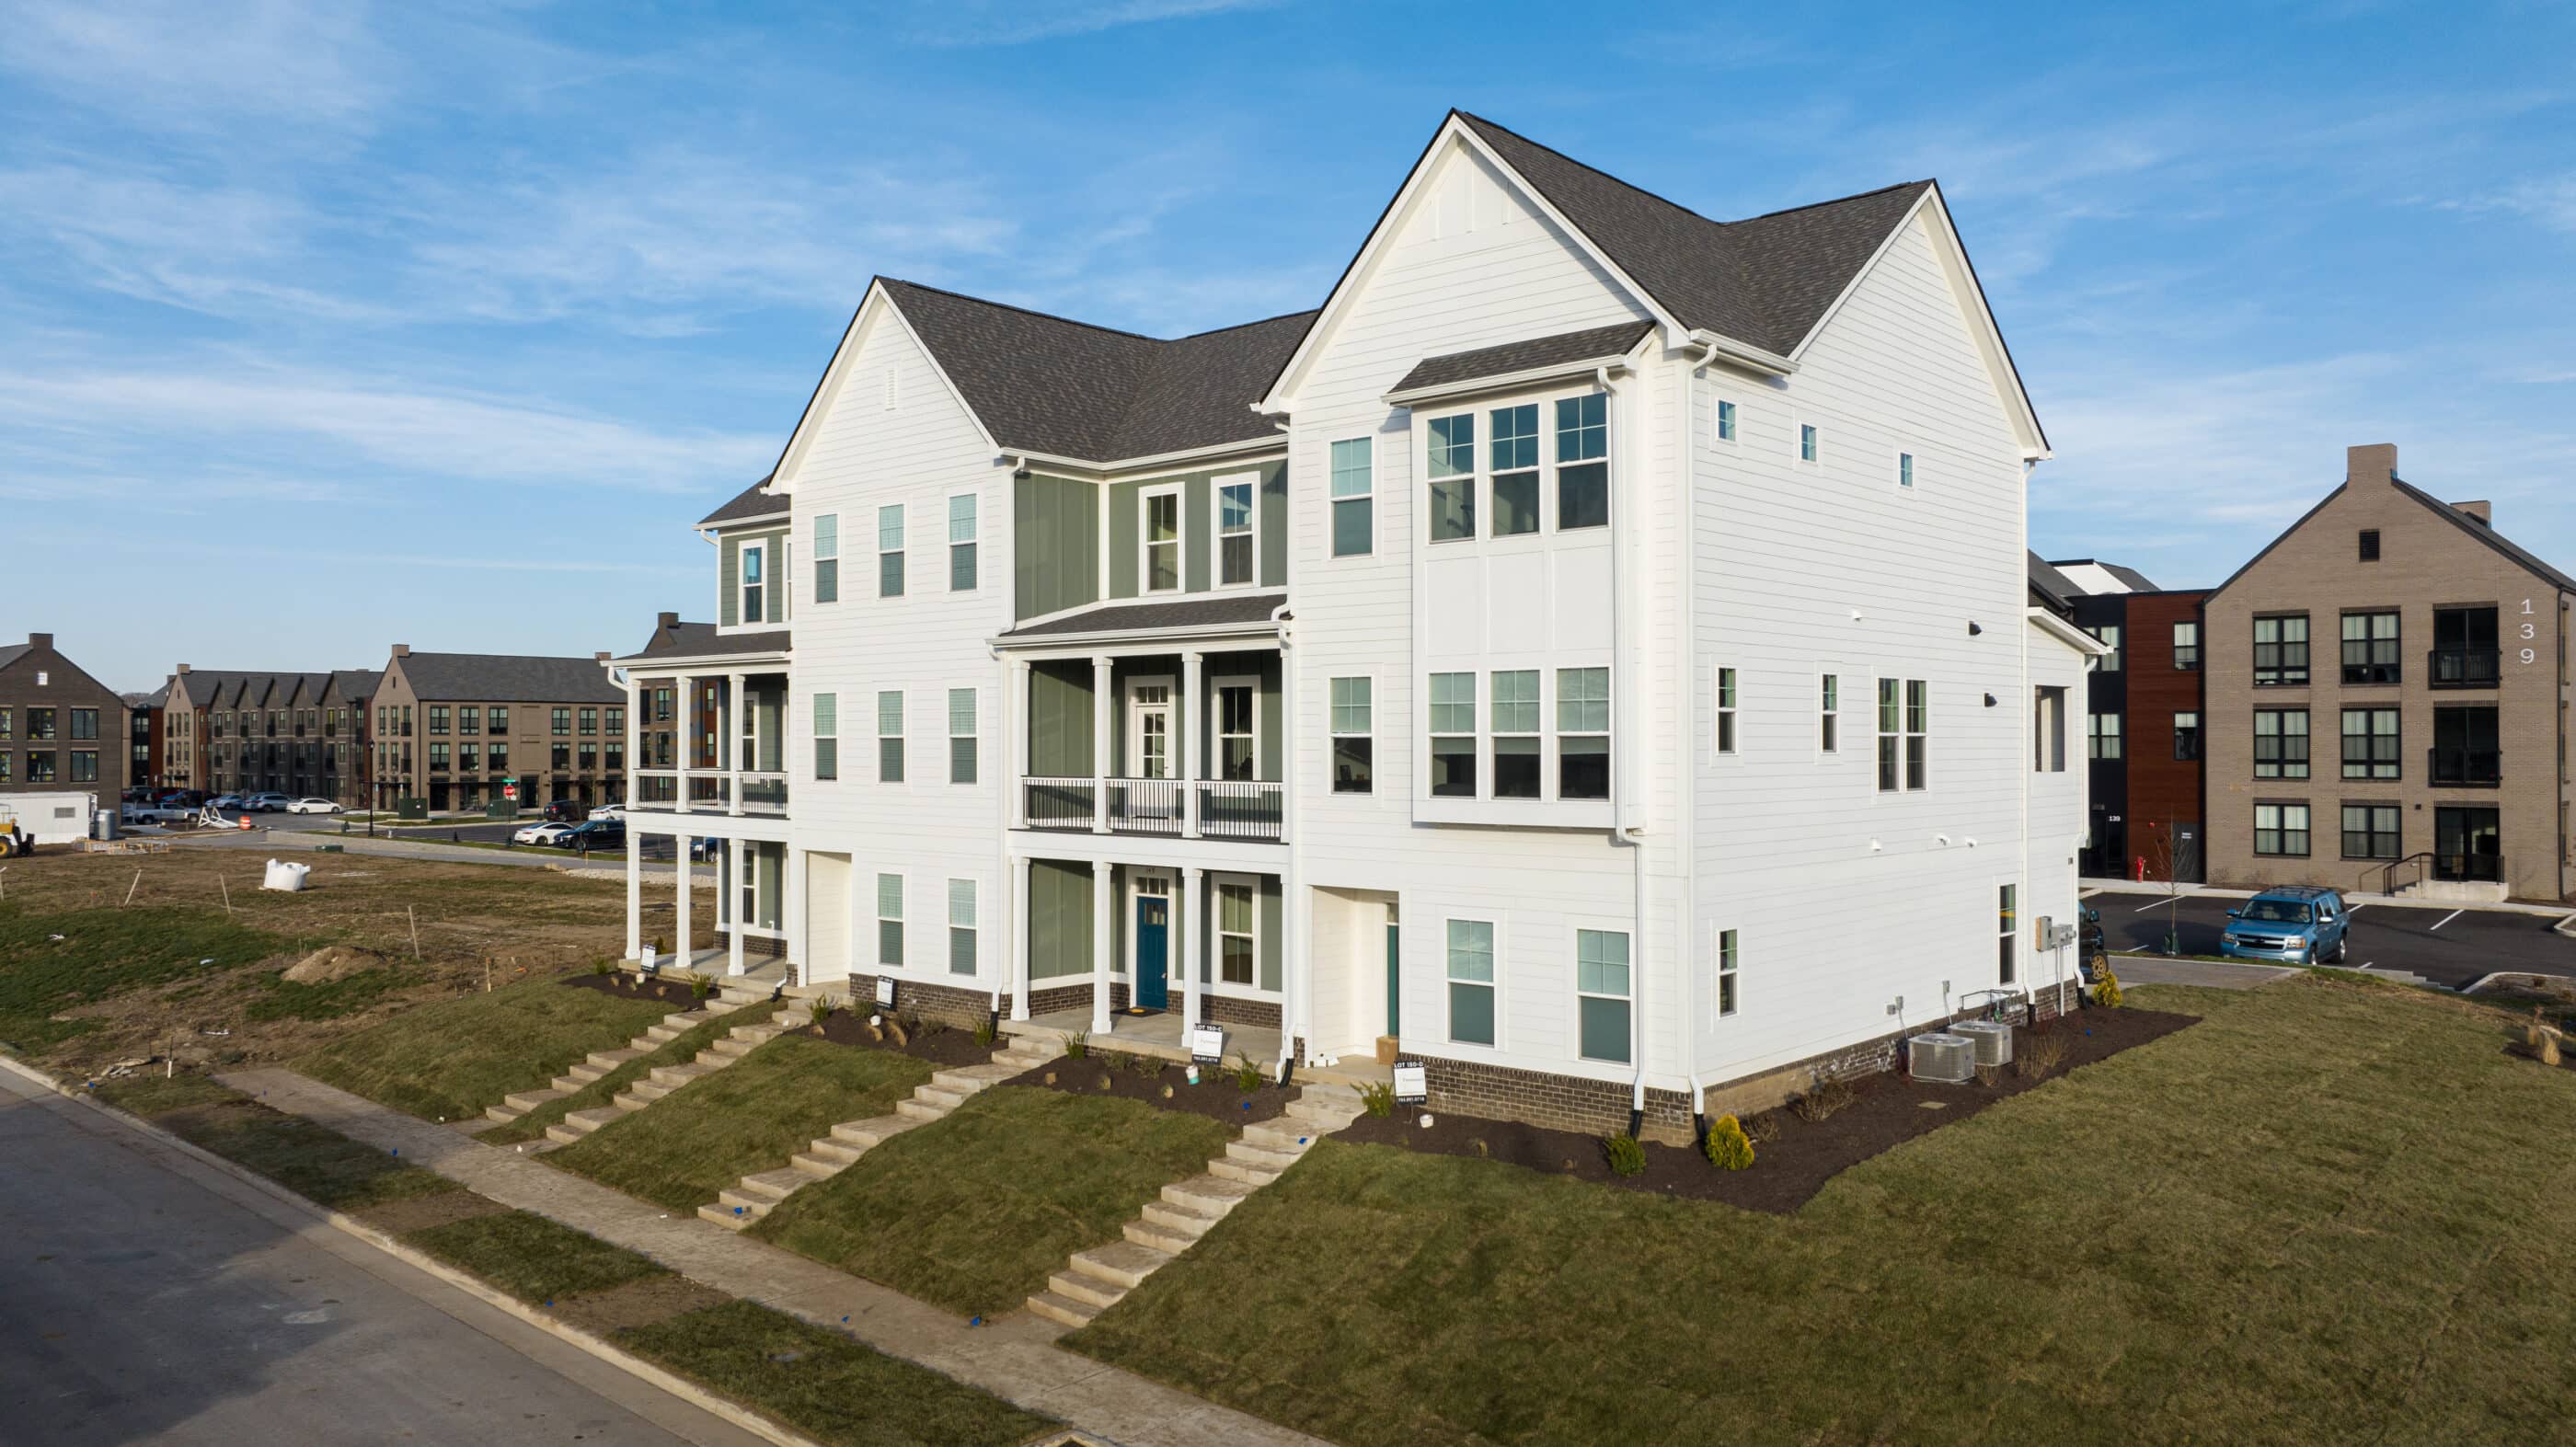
2548 200
1018 22
192 66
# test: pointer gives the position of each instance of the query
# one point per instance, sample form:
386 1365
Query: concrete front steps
667 1078
828 1156
1096 1279
598 1064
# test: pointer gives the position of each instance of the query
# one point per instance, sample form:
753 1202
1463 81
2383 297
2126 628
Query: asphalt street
148 1298
2444 944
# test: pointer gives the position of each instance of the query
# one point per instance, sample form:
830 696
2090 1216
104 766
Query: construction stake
228 893
415 931
129 889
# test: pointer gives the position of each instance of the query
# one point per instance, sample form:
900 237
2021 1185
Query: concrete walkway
2146 970
1014 1358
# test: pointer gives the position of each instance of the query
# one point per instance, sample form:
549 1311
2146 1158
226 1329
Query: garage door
827 917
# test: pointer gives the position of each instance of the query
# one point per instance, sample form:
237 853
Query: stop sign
510 790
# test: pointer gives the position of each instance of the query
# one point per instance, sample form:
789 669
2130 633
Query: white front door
1149 728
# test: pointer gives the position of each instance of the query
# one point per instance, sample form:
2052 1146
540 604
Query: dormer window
1162 534
753 581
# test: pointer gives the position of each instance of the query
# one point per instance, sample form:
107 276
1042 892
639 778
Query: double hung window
1471 981
1601 990
1583 733
1453 735
1354 500
1517 765
1354 746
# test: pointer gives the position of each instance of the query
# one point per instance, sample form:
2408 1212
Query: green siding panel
1272 907
728 581
1123 523
1273 567
1055 541
1060 719
1059 919
1198 533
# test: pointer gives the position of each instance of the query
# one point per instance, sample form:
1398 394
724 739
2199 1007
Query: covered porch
749 907
1133 948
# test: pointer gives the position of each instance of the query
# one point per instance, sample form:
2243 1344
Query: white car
312 806
541 834
609 811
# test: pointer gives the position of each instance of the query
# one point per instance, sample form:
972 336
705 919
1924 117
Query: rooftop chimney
40 640
601 656
2370 465
2482 510
402 650
668 623
183 668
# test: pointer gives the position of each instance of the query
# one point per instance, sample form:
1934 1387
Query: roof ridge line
1031 311
1838 200
1595 170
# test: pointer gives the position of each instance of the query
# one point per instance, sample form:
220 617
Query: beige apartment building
457 729
2387 694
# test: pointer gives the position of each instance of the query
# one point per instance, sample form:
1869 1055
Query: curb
2090 886
598 1347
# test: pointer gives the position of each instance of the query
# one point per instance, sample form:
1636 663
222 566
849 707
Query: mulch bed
1886 1110
1214 1096
946 1047
627 987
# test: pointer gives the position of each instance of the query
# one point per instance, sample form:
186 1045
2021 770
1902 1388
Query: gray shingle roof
1767 280
701 640
2487 535
1511 357
751 502
11 652
1045 384
1131 617
504 678
355 685
2053 588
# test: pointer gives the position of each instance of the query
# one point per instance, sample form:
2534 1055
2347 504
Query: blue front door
1153 935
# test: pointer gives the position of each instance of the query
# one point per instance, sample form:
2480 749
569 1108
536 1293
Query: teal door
1153 939
1394 977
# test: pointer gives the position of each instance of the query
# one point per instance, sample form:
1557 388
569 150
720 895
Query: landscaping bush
1377 1099
2040 1053
984 1033
1627 1158
819 1011
1077 1045
1727 1146
2106 991
1247 1076
1820 1103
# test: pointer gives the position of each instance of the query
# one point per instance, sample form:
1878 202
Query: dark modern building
60 729
2143 720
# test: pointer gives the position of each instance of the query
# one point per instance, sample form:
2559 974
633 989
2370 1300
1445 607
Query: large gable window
1519 468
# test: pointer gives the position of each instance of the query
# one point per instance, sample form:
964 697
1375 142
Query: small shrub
1378 1098
1627 1158
1145 1065
1478 1146
1728 1147
661 948
1820 1103
603 968
984 1033
2039 1054
1763 1129
1077 1045
1988 1074
1104 1082
1247 1076
2106 991
819 1010
701 986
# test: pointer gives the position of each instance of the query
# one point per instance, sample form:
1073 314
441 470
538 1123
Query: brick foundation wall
947 1004
1073 997
753 946
1227 1010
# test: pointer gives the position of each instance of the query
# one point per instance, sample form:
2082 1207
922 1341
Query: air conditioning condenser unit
1942 1057
1994 1040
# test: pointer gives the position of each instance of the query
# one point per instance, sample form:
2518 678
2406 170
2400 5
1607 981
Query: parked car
600 834
566 811
312 806
610 811
540 833
2301 924
225 801
265 802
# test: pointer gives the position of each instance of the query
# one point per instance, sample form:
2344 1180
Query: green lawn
975 1212
451 1059
2326 1214
824 1384
675 1051
750 1116
313 1161
54 960
531 1257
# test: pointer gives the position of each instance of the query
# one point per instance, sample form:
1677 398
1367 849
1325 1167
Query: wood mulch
945 1046
628 987
1884 1110
1166 1088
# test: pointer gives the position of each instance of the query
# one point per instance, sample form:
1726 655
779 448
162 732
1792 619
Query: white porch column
634 737
634 895
739 851
732 743
1102 902
1103 766
685 729
1193 944
1015 741
680 941
792 864
1194 748
1021 936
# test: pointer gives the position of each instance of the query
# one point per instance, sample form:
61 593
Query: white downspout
1294 951
1686 931
1624 832
2029 730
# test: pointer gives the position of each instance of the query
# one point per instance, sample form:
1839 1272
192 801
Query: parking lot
2444 944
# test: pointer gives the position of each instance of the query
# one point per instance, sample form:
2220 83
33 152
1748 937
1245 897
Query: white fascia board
1282 396
1255 449
1087 643
2068 634
1510 381
828 390
666 662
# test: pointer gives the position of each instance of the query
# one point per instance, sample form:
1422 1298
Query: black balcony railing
2467 768
2464 667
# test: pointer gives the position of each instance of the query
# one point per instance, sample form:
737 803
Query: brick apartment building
454 728
238 731
2387 689
2143 721
60 729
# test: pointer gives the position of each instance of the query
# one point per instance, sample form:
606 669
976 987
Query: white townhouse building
1593 655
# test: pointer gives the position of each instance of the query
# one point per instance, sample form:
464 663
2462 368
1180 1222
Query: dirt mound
333 962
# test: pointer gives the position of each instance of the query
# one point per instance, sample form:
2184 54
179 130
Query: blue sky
325 327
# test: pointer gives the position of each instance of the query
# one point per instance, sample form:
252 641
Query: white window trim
948 765
1216 718
1333 501
1625 929
1718 973
818 735
1487 735
1448 1032
904 517
903 731
1722 713
1217 534
815 555
1180 540
1177 762
1798 427
903 901
1216 933
1901 461
742 586
1552 788
2021 909
1481 476
1717 436
948 919
1332 731
949 545
1816 735
1475 737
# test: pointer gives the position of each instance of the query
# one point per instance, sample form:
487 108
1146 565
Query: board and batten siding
1847 900
863 455
777 604
1056 558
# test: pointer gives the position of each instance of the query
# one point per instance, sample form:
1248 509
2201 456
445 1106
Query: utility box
411 807
500 809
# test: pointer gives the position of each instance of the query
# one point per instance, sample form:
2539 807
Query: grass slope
52 961
993 1199
824 1384
451 1059
678 1050
750 1116
2326 1214
531 1257
313 1161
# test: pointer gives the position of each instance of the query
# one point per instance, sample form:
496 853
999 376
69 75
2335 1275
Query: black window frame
2377 661
2281 761
2283 673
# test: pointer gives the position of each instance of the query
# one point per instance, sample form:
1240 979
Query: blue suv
2300 924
